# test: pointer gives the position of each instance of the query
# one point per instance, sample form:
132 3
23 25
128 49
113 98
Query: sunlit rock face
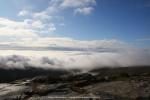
11 90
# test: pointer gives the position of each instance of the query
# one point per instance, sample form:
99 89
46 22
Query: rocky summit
129 83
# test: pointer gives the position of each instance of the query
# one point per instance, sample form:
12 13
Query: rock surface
118 86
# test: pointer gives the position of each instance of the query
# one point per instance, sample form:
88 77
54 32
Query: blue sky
97 32
127 20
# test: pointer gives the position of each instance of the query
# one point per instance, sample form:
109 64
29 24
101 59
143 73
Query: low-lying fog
84 60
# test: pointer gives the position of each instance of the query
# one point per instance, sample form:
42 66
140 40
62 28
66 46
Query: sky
67 31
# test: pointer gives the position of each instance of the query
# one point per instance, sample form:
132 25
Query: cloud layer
111 56
22 46
21 43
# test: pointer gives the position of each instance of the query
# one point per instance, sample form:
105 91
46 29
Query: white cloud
42 16
24 13
74 59
144 39
37 24
84 6
26 28
56 6
85 10
25 34
68 53
43 21
15 29
77 3
22 39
